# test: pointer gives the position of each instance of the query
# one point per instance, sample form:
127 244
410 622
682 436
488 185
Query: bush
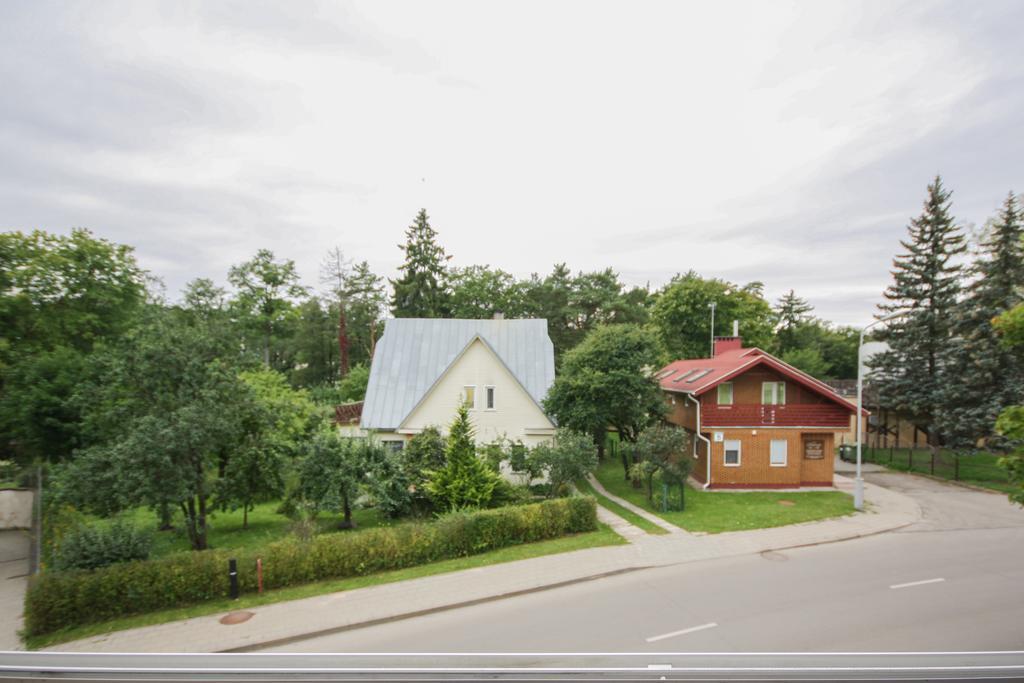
63 599
91 547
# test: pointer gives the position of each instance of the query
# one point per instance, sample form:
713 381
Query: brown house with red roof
765 423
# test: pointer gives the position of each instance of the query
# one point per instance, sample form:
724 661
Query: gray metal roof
414 352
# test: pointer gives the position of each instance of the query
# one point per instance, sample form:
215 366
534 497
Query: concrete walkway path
14 565
284 622
653 519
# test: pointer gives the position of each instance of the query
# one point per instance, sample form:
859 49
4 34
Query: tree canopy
681 315
606 382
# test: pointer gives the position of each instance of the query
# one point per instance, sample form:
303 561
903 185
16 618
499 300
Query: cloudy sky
782 142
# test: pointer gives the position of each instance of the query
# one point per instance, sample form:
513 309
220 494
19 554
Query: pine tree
422 291
984 375
791 312
926 284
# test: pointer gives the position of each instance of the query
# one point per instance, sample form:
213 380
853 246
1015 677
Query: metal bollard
233 579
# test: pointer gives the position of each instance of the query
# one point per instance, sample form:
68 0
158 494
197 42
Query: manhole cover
787 503
236 617
774 556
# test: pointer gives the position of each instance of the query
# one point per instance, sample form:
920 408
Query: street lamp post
858 491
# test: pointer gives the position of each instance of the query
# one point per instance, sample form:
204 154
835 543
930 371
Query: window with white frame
779 453
469 396
773 393
732 453
489 393
395 446
725 394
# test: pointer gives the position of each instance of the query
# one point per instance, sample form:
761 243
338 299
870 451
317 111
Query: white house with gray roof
423 368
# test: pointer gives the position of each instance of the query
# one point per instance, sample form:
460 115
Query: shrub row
63 599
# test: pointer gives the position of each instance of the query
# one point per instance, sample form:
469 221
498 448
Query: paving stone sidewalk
654 519
296 619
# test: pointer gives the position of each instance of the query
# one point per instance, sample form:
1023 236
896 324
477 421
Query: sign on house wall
814 449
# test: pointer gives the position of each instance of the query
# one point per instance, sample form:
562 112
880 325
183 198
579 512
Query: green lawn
636 520
717 511
978 469
604 536
225 528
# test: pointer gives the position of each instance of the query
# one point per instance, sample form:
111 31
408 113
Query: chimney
499 315
735 328
723 344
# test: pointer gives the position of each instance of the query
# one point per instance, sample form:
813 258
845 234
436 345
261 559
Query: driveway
948 507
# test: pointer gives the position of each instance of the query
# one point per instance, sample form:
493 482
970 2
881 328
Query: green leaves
465 481
265 290
569 456
605 381
422 291
681 315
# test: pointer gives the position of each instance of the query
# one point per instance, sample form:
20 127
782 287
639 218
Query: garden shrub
63 599
91 547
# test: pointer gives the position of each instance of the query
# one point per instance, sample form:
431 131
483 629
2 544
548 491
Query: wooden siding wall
755 470
746 389
682 412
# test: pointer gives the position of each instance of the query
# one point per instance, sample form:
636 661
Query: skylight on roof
666 375
696 377
684 375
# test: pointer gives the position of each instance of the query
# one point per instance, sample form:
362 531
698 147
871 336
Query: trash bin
847 452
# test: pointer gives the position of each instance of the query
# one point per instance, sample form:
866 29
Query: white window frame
469 403
785 453
731 395
778 393
738 449
490 397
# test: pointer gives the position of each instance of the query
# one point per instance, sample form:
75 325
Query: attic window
696 377
469 396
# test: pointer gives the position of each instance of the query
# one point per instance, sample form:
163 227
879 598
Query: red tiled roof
699 375
348 413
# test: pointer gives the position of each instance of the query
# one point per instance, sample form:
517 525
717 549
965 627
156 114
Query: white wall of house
515 414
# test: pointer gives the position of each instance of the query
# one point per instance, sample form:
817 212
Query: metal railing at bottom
518 666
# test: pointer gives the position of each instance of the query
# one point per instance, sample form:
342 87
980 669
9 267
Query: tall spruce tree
984 375
423 289
791 311
926 284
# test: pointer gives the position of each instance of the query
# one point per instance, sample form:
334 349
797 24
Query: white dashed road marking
916 583
692 629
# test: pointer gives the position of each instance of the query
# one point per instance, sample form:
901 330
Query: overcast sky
780 142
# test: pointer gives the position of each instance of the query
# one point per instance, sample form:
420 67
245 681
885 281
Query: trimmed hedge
58 600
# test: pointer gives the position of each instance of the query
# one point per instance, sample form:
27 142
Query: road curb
252 647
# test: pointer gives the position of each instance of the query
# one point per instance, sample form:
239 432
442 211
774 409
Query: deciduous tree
606 382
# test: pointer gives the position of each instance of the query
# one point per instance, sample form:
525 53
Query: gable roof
700 375
415 352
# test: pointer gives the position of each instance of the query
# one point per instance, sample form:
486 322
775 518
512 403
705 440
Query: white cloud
786 143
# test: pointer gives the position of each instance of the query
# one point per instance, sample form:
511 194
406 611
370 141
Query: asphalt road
953 582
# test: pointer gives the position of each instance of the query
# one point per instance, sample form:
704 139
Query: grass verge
718 511
604 536
604 501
